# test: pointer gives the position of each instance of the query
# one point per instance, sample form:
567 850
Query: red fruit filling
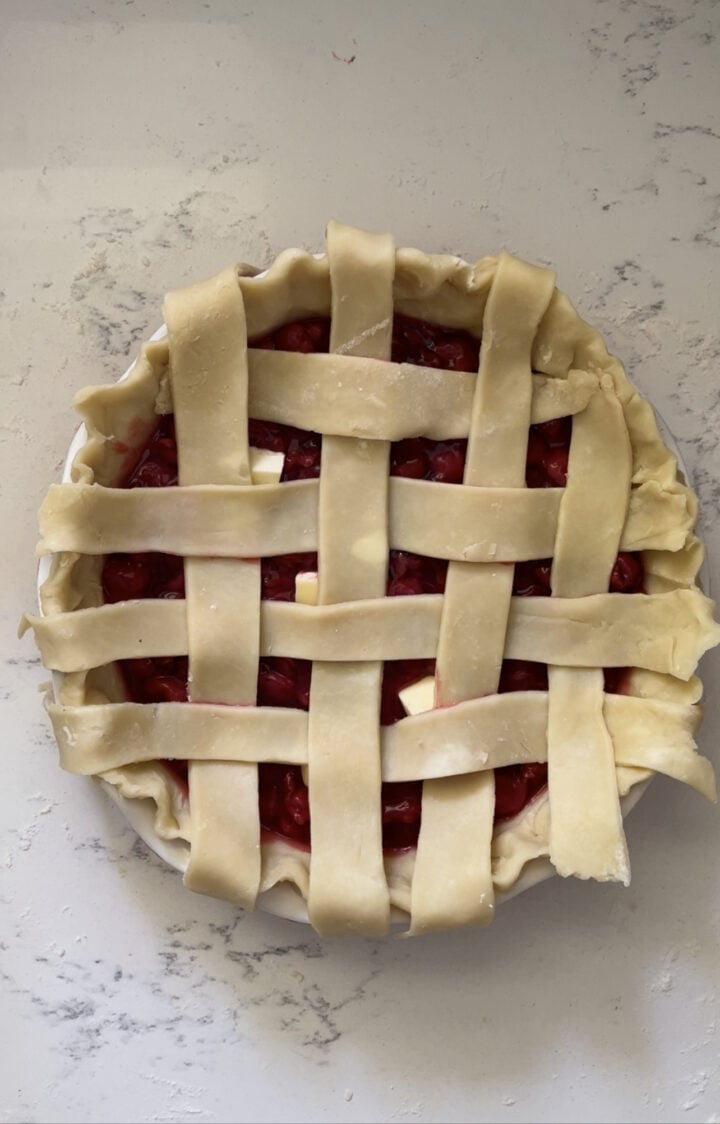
156 466
283 682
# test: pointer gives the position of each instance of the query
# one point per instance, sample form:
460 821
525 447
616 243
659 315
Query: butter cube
306 587
265 467
418 697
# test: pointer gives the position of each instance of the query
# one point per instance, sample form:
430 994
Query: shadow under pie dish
376 580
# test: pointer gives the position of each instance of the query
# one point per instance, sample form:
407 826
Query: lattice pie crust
538 361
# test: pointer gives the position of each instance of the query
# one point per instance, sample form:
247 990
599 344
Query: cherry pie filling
284 808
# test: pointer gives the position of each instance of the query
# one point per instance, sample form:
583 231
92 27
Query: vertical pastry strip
209 387
348 889
586 833
477 602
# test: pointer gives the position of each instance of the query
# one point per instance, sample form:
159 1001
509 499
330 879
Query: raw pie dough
538 361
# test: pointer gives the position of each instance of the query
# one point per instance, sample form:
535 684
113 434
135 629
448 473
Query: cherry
515 786
522 675
537 448
297 806
627 574
404 587
283 802
266 435
284 682
615 680
428 345
302 455
302 684
165 688
306 336
448 463
401 809
556 468
457 355
278 574
408 458
153 474
410 574
555 432
422 459
547 453
535 476
165 450
402 563
293 337
318 330
125 577
532 579
162 679
140 670
284 807
274 688
156 467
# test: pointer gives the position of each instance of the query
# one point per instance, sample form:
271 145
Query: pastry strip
209 379
383 401
616 626
586 829
467 524
348 889
476 735
478 596
453 863
439 520
218 521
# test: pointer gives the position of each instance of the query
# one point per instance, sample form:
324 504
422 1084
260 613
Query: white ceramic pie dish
284 900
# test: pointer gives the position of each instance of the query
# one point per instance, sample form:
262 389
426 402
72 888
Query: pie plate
388 597
284 900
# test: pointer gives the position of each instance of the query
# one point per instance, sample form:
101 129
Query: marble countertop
147 143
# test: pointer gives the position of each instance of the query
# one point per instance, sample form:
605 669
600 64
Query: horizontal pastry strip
352 396
322 393
665 632
439 520
206 520
485 733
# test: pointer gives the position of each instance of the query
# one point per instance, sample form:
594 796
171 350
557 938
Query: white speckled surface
148 143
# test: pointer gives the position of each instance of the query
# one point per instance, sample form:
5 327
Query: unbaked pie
376 577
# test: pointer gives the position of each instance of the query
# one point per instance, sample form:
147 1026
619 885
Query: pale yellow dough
538 361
